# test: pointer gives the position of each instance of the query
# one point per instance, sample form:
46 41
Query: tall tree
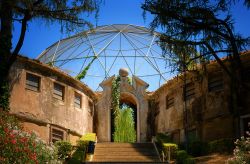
70 13
201 29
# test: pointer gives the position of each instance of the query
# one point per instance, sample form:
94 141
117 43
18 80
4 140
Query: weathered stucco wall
40 130
208 111
41 106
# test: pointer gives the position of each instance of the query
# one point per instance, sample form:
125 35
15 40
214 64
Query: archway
129 100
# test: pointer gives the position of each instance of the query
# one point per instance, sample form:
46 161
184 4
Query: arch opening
127 99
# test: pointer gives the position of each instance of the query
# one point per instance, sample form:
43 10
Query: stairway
125 152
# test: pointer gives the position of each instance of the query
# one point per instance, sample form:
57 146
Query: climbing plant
124 126
116 95
123 129
82 74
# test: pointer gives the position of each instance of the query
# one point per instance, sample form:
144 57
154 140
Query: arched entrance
129 100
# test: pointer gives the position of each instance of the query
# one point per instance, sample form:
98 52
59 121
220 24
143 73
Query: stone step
124 162
126 158
123 145
125 152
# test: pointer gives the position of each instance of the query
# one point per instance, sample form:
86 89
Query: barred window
56 134
189 91
58 92
32 82
78 100
169 101
215 82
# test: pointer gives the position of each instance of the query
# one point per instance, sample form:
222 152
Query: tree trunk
5 50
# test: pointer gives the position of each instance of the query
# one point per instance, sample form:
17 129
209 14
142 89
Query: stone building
49 102
58 107
205 110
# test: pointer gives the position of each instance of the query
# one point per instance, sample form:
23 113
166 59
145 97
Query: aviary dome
110 48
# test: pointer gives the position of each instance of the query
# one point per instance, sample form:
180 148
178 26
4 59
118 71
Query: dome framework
107 49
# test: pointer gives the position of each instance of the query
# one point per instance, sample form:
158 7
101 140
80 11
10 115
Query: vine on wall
116 96
85 70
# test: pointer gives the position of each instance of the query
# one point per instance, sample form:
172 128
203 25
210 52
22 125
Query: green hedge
225 145
89 137
182 157
64 149
198 148
80 152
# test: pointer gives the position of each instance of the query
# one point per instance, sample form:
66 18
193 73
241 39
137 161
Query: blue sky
39 35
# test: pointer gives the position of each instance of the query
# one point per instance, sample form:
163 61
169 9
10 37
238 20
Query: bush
89 137
189 160
182 157
64 149
17 146
198 148
241 152
79 154
225 145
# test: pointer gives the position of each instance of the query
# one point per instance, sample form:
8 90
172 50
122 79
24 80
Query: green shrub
182 157
225 145
189 160
80 152
197 148
64 149
89 137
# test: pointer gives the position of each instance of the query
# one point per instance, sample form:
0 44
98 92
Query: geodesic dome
110 47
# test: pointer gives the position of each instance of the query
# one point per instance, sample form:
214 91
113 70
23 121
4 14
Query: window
78 100
169 101
32 82
58 91
189 91
215 82
56 134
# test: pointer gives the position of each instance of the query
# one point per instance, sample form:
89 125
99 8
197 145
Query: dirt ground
213 159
